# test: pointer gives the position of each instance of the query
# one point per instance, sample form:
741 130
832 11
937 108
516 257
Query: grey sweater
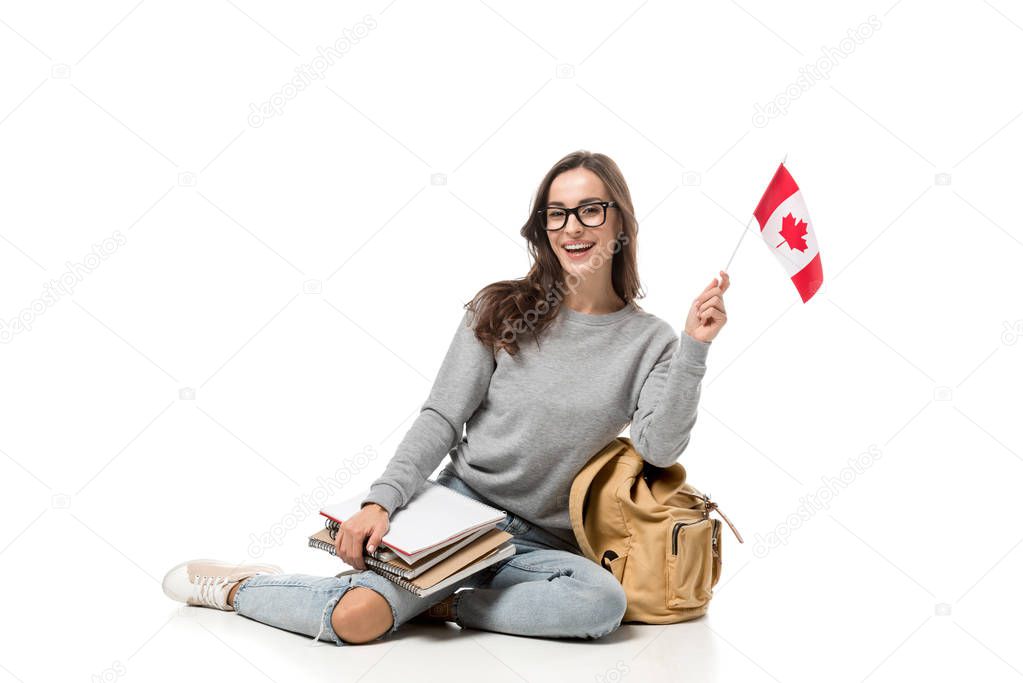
533 420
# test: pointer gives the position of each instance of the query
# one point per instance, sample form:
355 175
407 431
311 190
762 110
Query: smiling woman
581 235
532 416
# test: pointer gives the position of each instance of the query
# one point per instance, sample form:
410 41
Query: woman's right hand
371 521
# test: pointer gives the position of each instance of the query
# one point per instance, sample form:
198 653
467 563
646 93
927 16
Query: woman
542 373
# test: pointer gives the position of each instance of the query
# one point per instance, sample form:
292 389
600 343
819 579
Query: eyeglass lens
590 215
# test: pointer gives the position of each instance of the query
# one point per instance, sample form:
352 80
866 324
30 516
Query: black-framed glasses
591 214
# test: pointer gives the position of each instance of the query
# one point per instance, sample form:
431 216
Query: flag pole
738 243
734 251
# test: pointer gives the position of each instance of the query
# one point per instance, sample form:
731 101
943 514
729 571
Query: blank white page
433 517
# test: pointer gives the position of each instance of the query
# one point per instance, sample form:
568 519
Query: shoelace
211 590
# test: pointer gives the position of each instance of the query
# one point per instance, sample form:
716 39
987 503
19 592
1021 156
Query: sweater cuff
693 350
387 497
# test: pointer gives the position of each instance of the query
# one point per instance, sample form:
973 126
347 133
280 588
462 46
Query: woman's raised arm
666 412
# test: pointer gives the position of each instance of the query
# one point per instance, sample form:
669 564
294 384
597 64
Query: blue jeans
546 589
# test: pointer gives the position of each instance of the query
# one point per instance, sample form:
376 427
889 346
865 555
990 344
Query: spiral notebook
435 517
436 573
386 559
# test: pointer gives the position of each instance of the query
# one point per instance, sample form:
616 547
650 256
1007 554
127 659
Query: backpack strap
580 487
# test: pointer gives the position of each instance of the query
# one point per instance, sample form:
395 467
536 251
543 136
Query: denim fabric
546 589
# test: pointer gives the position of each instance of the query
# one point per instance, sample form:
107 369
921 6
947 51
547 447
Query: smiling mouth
576 250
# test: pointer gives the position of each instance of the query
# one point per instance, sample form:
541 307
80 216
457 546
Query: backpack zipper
674 535
679 525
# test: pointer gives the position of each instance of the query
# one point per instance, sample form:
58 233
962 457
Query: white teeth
578 247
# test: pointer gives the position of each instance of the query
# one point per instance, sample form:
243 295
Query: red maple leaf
793 231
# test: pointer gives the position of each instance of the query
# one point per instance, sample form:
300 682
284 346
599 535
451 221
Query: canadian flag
786 228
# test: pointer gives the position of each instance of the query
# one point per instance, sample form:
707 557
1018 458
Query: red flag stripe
809 279
781 187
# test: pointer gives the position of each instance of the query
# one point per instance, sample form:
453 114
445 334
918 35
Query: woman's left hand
707 314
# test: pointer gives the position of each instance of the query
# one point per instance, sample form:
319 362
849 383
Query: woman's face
569 190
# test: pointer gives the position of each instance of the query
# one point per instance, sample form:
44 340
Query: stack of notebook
435 540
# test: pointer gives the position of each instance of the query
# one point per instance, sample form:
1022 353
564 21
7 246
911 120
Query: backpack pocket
691 571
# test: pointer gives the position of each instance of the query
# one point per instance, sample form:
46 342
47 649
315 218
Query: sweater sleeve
458 390
666 410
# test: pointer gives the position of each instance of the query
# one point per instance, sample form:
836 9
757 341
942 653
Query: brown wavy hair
508 310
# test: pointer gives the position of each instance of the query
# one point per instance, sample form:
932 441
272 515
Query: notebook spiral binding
370 562
404 583
322 545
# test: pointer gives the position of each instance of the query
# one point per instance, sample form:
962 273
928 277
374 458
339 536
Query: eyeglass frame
610 204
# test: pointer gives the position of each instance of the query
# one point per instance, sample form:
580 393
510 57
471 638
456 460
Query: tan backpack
652 530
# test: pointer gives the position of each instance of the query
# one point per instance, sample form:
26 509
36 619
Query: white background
134 120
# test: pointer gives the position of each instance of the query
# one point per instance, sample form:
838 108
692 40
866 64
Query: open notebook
435 517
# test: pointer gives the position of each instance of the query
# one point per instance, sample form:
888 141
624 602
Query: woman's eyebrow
581 201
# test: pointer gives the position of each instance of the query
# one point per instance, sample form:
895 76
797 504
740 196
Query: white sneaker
207 583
